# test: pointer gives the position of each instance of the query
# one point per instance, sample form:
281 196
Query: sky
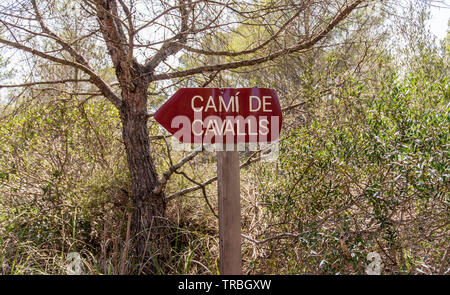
439 19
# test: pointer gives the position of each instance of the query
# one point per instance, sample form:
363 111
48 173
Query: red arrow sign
222 115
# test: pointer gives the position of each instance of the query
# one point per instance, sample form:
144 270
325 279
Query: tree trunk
148 226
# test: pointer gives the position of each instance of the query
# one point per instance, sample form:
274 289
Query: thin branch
130 33
203 188
249 161
295 48
44 83
172 169
95 79
170 47
211 78
228 53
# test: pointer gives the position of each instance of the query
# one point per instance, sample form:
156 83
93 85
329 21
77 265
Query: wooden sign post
228 183
224 116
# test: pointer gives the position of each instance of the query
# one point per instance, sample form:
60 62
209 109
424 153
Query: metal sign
222 115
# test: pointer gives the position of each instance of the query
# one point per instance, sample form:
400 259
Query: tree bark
148 225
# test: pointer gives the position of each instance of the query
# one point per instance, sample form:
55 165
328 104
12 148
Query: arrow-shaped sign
222 115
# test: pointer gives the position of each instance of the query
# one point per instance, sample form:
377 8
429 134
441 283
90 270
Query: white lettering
192 104
263 123
251 100
230 104
211 104
266 102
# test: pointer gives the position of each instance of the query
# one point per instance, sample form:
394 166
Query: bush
63 184
368 173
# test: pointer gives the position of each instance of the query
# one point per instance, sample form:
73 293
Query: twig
211 180
172 169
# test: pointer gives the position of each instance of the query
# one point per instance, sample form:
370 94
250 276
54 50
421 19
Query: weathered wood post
229 212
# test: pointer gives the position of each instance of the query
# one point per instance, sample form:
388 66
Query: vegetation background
363 157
